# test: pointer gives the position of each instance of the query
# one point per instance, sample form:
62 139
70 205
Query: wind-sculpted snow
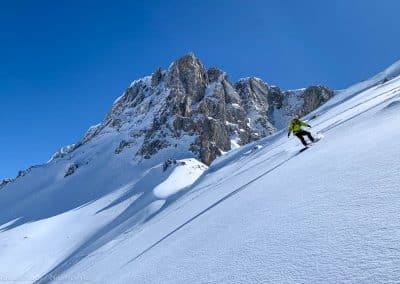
262 213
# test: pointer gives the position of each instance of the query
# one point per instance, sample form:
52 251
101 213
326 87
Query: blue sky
63 63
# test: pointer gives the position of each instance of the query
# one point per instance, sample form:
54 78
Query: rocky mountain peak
190 109
187 76
214 74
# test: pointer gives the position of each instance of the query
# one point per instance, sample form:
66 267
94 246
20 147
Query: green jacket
295 126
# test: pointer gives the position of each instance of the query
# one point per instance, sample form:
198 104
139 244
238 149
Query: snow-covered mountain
135 200
188 108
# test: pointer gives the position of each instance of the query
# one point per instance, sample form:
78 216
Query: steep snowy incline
156 141
261 213
265 213
377 81
47 217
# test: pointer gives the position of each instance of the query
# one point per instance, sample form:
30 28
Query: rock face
314 97
269 108
5 182
259 100
71 169
189 108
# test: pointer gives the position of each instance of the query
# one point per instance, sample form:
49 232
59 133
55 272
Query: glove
288 134
309 126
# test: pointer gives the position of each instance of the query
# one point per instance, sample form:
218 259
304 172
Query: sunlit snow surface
263 213
183 175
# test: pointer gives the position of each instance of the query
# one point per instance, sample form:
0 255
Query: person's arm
290 129
305 124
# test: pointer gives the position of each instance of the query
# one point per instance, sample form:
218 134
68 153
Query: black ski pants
301 135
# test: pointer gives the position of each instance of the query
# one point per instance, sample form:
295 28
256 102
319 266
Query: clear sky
63 63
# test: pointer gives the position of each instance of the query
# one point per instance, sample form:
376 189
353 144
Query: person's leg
309 135
300 136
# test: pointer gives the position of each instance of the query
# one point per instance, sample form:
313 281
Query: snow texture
262 213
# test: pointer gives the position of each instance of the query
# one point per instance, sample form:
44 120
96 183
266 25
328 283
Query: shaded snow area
262 213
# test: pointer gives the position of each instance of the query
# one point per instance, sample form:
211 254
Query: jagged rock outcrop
63 151
187 79
71 169
270 109
259 101
5 182
199 103
156 77
122 145
20 174
315 96
190 108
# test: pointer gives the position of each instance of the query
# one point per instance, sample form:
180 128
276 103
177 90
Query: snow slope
263 213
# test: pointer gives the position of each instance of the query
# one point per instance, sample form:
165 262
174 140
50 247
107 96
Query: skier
295 127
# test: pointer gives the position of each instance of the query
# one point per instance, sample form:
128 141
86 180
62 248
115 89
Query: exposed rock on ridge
190 108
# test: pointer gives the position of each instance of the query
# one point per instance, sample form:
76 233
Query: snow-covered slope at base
267 214
263 213
57 218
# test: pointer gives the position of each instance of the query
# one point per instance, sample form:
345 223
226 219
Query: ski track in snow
243 187
262 213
